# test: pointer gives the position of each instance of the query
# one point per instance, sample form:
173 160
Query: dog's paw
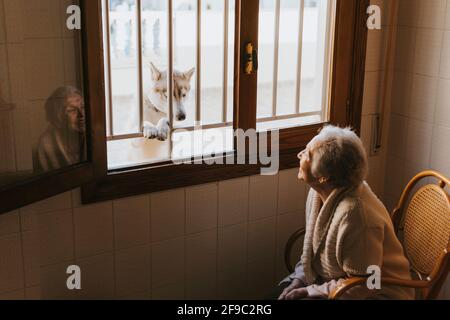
163 130
150 131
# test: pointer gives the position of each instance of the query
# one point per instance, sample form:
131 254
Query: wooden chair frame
430 286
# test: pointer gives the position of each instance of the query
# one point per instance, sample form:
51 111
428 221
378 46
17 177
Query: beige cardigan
350 232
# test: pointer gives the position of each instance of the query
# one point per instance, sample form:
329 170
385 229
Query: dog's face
181 90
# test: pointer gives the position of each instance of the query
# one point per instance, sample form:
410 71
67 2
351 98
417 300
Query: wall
420 112
221 240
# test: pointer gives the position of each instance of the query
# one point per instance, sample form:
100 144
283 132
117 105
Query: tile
136 296
263 197
445 57
232 250
201 208
428 52
33 293
93 230
97 277
9 223
54 282
171 292
2 26
42 20
23 144
262 241
291 192
132 269
13 296
72 63
202 287
372 92
376 174
168 262
46 76
32 257
168 215
261 280
376 49
397 136
131 222
394 177
423 98
409 11
56 237
57 203
405 47
17 72
232 285
441 150
442 114
286 226
233 201
14 19
401 92
366 131
201 254
11 264
432 14
447 19
418 143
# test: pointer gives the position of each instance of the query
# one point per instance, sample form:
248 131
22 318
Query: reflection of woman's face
75 113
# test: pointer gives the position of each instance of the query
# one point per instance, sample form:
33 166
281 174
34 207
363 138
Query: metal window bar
300 55
198 116
226 6
198 70
275 57
108 75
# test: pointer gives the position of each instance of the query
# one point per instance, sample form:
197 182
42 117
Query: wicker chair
422 223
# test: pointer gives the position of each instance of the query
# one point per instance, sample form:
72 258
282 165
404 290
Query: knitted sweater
346 235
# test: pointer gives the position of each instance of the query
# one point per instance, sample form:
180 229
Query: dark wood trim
346 106
28 191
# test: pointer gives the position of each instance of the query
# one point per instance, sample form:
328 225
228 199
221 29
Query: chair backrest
424 221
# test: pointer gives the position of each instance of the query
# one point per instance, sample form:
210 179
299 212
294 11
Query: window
143 38
290 92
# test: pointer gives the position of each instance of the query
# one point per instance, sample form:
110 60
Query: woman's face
75 113
305 157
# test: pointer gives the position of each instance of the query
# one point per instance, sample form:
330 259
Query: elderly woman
63 143
348 229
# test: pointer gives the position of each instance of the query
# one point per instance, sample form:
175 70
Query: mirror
42 108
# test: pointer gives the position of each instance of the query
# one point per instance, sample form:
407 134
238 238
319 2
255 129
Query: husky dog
156 113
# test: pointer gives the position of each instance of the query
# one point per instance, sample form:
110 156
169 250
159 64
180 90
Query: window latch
250 59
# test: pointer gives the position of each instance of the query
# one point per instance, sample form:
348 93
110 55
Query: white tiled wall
220 240
420 115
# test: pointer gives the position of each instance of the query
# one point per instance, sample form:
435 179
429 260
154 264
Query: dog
156 122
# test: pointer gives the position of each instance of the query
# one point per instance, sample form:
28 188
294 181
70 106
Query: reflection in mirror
42 112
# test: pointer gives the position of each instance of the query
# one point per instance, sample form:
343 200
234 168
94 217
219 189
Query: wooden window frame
100 184
346 105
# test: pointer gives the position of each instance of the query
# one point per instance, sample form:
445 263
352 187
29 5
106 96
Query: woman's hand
297 294
296 284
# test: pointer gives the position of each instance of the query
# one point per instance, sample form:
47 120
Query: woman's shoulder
362 208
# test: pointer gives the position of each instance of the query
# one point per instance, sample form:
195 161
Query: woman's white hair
340 156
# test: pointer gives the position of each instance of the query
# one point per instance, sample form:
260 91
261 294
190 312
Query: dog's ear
156 74
188 74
